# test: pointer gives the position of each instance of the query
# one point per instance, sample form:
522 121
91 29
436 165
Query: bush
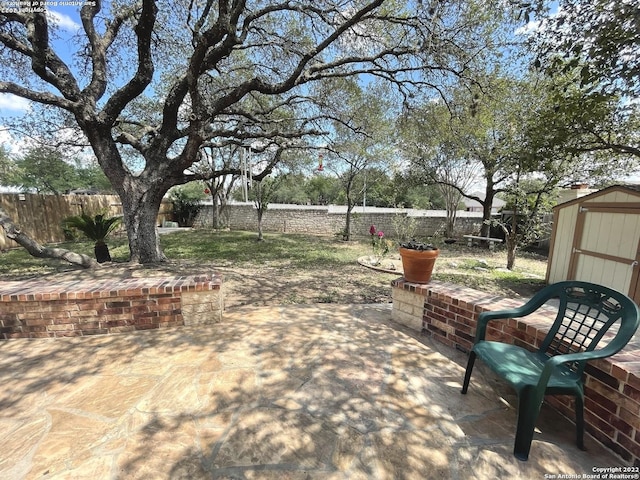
187 204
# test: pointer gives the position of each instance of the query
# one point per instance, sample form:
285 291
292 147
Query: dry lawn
292 269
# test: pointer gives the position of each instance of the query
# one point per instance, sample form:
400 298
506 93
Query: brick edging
42 308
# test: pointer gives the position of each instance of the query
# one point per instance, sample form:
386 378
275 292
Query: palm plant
96 228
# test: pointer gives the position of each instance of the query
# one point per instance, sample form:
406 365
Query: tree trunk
486 212
511 250
35 249
215 211
140 211
141 195
346 234
451 223
101 251
260 212
451 198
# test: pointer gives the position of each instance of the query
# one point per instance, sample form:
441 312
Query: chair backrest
586 312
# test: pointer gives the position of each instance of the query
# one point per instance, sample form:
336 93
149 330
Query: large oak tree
149 83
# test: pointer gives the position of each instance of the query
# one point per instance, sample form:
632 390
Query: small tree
528 200
218 187
96 228
262 193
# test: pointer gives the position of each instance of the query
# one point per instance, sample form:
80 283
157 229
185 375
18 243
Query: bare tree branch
14 233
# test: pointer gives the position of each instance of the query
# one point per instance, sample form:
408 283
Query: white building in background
475 206
576 191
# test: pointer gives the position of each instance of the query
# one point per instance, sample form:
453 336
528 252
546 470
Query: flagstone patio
296 392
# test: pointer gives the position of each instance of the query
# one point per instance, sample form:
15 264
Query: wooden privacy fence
41 216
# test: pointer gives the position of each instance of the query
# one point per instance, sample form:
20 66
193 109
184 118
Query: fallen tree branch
14 233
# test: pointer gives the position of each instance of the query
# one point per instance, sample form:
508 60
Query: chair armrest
604 352
528 308
485 317
558 360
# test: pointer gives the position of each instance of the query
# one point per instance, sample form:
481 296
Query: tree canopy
147 84
598 38
47 170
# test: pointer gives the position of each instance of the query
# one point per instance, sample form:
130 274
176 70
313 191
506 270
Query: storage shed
596 238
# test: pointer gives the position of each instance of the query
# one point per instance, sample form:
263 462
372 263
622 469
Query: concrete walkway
296 392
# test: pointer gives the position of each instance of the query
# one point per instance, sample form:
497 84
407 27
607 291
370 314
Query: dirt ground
280 283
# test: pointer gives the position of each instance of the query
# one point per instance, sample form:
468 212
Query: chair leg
529 404
467 374
580 421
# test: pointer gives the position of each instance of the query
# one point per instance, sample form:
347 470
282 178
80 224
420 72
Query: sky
67 17
68 20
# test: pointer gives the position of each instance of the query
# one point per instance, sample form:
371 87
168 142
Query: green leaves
598 36
96 228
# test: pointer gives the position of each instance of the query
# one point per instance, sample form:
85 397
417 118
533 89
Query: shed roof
632 189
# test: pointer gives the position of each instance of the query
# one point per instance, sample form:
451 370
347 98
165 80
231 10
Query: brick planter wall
37 309
448 313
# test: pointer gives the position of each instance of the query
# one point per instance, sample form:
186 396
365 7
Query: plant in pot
96 228
418 259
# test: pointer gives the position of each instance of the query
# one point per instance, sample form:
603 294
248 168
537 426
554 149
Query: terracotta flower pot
418 264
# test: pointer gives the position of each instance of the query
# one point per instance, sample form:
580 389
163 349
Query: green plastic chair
586 311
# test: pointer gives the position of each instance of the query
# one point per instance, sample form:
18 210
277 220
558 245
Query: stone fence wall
330 220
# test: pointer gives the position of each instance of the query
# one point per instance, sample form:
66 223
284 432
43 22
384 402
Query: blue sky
68 20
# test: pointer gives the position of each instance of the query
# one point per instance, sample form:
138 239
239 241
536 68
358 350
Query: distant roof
634 188
497 202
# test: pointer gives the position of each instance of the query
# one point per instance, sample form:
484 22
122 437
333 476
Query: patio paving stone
294 392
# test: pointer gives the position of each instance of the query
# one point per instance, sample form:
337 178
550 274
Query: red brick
619 373
605 411
110 311
604 377
632 418
633 380
40 335
9 321
440 311
628 444
599 424
436 316
38 321
88 325
95 331
16 335
622 426
462 342
145 327
118 304
9 330
602 364
122 329
435 330
603 395
631 392
90 305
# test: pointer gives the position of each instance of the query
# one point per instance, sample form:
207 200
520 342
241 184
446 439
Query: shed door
606 247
